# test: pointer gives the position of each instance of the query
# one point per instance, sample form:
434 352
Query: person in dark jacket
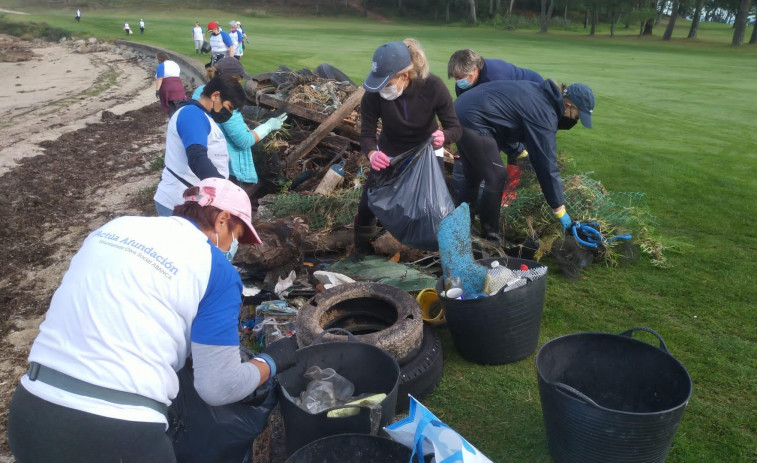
469 69
408 100
498 113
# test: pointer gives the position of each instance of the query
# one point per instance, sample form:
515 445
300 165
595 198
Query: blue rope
592 238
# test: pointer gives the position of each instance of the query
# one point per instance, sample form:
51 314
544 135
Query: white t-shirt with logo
137 293
189 125
197 33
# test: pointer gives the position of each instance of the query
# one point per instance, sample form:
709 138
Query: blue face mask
229 255
463 83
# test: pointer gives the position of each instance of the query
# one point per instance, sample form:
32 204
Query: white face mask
390 92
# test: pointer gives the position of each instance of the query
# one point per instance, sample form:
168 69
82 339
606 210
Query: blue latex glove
565 221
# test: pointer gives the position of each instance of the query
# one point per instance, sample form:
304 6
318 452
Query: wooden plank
345 128
326 126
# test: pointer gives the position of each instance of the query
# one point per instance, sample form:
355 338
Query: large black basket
610 398
498 329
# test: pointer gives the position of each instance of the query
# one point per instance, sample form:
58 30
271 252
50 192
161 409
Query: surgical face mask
220 116
229 255
566 123
390 92
464 83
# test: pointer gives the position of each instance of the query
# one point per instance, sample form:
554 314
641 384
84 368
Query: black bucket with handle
498 329
370 369
610 398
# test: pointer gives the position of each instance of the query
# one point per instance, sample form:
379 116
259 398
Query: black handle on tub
570 390
350 337
629 334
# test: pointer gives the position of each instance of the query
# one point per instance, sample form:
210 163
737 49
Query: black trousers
481 161
41 432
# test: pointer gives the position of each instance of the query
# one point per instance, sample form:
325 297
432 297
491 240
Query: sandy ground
77 137
58 91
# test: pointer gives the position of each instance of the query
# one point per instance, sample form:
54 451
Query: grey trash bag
410 197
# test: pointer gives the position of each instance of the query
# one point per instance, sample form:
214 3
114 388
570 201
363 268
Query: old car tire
420 376
377 314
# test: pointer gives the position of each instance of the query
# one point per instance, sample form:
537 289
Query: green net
322 212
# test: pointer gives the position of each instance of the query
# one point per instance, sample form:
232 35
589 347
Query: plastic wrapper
343 388
318 396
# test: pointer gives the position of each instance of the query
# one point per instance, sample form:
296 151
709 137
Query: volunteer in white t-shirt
220 43
141 294
198 36
195 145
168 85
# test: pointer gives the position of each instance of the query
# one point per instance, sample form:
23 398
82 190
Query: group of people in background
220 42
127 28
143 293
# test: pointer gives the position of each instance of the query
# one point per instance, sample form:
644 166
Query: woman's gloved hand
438 139
271 125
280 355
379 160
562 215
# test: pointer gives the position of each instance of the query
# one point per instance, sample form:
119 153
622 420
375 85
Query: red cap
224 195
212 25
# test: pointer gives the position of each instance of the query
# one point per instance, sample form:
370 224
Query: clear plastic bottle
334 176
496 278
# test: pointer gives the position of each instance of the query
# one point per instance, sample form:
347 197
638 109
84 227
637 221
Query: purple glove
438 141
379 160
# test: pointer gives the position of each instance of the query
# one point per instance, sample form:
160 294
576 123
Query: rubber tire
401 339
421 375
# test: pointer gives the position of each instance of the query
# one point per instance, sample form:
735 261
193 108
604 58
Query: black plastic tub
370 369
610 398
357 448
498 329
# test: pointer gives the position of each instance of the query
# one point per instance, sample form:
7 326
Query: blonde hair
418 69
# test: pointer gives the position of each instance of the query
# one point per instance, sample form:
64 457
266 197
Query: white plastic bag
425 434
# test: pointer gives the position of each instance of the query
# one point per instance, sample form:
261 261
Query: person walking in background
168 85
198 36
220 43
239 137
244 40
141 27
127 29
236 39
195 145
497 114
408 99
469 69
140 296
77 17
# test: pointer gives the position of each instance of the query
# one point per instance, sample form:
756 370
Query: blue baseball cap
389 59
582 96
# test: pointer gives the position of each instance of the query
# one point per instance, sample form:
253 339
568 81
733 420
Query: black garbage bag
205 434
410 197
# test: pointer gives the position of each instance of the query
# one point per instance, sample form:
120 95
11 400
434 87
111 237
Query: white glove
271 125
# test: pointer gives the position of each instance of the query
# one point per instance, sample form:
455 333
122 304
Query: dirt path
75 151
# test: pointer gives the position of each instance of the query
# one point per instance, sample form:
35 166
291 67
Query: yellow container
431 306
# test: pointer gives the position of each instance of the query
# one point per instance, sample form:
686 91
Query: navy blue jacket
496 69
520 111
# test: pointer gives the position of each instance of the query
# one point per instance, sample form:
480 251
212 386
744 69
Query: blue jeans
163 211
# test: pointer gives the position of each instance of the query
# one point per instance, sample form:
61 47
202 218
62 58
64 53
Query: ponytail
419 67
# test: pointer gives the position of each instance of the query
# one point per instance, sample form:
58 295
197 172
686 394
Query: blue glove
565 221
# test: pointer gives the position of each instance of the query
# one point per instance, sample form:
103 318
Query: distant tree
753 39
695 20
546 13
672 23
594 18
739 27
473 11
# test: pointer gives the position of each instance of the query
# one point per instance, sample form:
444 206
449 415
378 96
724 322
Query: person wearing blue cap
408 100
496 114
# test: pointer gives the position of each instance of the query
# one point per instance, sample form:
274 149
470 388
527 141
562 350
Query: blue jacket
520 111
239 140
496 69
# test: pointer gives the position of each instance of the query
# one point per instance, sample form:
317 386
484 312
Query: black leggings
40 431
481 162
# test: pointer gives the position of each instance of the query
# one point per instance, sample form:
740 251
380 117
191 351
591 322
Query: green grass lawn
675 120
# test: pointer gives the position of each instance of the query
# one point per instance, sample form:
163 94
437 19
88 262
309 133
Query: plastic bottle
496 278
331 180
453 288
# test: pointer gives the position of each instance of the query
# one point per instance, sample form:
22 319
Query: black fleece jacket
409 120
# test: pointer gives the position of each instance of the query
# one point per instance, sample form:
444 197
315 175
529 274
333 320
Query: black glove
280 355
157 93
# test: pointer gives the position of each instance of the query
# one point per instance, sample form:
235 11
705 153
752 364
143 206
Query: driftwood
326 127
344 128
